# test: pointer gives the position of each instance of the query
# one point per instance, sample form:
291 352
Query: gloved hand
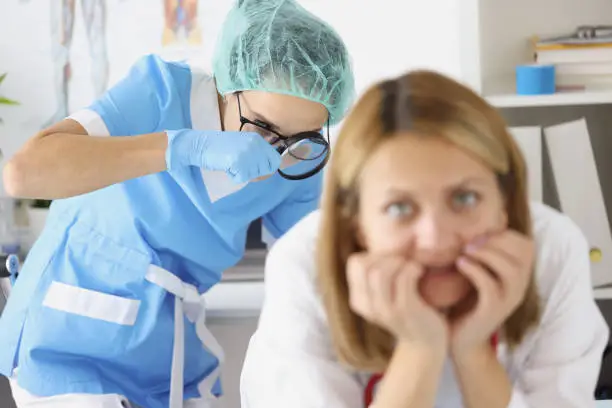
243 156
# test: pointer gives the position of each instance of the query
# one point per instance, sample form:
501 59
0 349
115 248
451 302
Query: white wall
384 38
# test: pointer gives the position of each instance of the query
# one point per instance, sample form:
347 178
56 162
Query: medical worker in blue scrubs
107 310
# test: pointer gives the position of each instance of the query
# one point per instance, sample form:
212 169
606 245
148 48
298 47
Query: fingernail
461 261
476 243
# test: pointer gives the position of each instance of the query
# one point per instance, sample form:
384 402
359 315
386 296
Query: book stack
582 60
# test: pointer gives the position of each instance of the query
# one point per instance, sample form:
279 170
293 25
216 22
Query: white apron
187 302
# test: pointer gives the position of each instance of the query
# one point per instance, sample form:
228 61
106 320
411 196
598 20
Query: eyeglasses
304 154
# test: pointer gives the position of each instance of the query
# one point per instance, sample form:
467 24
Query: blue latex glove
243 156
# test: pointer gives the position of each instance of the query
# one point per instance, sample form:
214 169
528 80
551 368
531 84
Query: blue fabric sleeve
134 105
302 201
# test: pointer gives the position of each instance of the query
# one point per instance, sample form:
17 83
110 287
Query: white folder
579 189
529 139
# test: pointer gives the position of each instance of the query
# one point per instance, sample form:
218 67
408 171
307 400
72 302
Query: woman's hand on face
384 291
500 270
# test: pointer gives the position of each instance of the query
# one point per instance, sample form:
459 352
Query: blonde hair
426 104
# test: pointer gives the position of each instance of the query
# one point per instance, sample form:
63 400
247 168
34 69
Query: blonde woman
427 279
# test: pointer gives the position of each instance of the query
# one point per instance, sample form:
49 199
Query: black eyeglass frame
288 141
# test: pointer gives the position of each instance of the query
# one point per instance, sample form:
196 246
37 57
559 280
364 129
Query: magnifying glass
303 155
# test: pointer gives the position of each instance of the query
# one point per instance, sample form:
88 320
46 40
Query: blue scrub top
98 247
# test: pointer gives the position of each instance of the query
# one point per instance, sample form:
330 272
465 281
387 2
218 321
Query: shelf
245 299
241 291
509 100
503 40
234 300
603 293
250 268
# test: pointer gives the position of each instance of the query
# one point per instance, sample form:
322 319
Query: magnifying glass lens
303 157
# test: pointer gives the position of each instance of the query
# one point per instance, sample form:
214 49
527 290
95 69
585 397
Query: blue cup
535 79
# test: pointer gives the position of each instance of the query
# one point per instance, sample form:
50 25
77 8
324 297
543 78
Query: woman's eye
465 199
262 132
400 210
259 130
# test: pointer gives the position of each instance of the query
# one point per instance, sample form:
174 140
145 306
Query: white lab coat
290 361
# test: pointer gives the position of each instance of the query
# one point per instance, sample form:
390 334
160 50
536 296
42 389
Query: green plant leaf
3 100
6 101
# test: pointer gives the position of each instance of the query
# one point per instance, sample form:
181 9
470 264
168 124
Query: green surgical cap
278 46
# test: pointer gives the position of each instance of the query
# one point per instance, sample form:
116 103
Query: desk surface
235 299
250 268
241 290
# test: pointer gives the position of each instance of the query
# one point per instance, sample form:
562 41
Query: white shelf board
603 293
245 299
234 300
510 100
503 39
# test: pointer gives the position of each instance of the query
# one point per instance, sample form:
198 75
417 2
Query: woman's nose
435 238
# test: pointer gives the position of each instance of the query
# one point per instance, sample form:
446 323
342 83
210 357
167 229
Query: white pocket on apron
23 399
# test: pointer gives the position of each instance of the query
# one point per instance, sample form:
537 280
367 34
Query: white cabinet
495 38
